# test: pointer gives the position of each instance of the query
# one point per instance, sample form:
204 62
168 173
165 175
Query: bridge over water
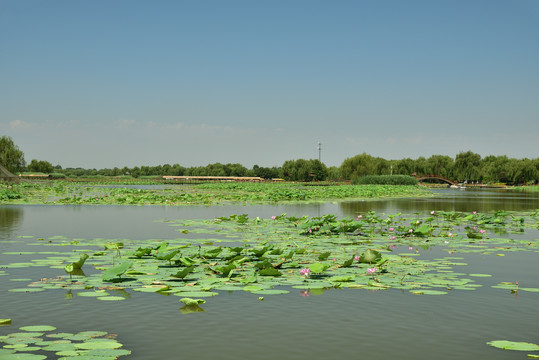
436 177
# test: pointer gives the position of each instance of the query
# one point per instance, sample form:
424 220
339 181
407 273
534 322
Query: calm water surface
389 324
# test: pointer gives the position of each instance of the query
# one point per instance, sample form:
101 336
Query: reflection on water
10 218
448 200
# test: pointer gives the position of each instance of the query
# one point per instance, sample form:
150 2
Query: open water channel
338 324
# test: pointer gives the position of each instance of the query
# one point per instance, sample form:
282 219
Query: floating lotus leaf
111 298
480 275
428 292
23 356
92 293
100 354
38 328
27 334
270 292
514 345
104 344
196 293
71 353
92 334
529 289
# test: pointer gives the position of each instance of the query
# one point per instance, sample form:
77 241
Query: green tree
40 166
304 170
494 169
357 166
334 173
266 172
404 167
467 166
442 165
10 156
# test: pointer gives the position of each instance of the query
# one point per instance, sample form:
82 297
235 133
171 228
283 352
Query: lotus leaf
116 271
370 256
514 345
189 301
318 268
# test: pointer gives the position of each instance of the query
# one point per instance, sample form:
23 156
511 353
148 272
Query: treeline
466 166
292 170
216 169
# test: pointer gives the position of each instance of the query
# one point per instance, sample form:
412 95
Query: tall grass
385 180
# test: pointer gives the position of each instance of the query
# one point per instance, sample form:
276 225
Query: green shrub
9 194
57 175
386 180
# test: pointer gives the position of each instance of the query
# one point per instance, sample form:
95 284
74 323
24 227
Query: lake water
391 324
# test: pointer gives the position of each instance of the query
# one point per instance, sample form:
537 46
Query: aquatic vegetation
270 256
514 345
386 180
202 194
36 342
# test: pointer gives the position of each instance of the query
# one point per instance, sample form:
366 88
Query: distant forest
466 166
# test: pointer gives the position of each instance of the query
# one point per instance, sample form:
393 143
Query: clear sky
99 83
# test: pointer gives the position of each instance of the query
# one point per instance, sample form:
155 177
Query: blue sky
101 84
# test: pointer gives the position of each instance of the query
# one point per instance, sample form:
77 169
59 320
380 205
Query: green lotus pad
514 345
38 328
428 292
104 344
111 298
84 345
23 356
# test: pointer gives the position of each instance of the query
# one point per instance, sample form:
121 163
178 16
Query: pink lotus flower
359 217
392 238
391 229
482 231
305 271
410 248
411 231
273 217
432 212
371 271
356 258
474 212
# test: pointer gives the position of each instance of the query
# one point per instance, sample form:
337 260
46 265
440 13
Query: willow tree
10 156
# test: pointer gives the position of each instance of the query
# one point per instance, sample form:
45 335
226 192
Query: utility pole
319 151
